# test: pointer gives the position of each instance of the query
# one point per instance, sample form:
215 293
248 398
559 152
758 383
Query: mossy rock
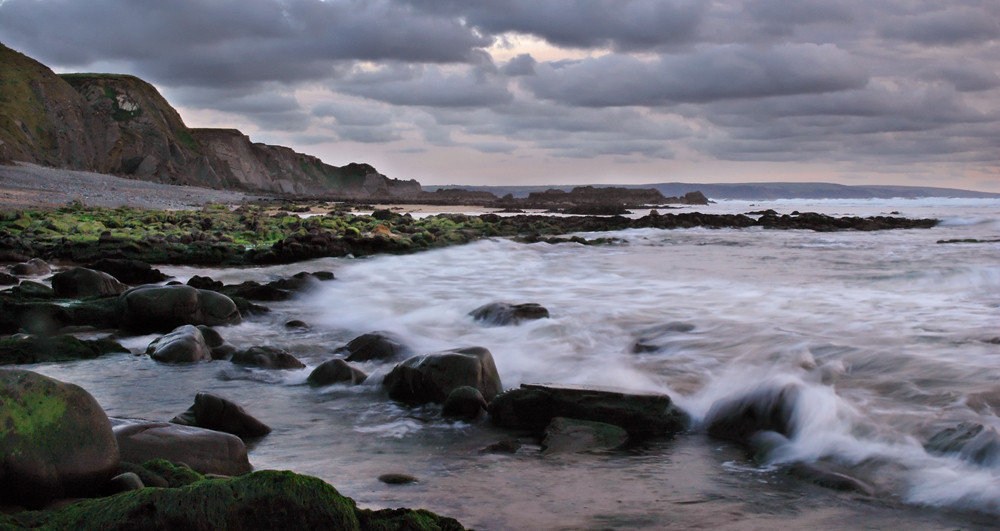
38 349
261 500
175 475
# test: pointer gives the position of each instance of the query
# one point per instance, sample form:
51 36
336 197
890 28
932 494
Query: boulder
201 282
216 413
132 272
738 418
24 348
267 357
336 371
502 313
532 407
124 482
381 346
80 282
32 268
431 377
465 403
221 349
205 451
255 291
33 290
6 279
185 344
973 442
564 435
55 441
164 308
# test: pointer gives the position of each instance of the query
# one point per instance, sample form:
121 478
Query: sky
533 92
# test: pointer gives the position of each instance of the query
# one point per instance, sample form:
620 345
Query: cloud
952 26
432 86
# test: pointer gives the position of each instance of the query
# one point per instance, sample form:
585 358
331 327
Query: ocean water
890 335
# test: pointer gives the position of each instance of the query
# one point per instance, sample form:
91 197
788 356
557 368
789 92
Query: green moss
34 410
175 475
38 349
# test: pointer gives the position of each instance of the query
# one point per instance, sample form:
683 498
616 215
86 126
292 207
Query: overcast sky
567 91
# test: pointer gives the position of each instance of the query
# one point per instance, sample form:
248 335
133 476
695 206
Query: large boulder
80 282
739 418
32 268
267 357
163 308
216 413
185 344
381 346
205 451
221 349
973 442
431 377
55 440
132 272
532 407
24 348
336 371
502 313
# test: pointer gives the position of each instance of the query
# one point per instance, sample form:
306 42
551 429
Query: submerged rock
432 377
206 451
381 346
55 440
38 349
267 357
163 308
336 371
216 413
768 408
502 313
564 435
973 442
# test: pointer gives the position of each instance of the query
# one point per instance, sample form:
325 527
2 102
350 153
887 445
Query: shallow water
888 333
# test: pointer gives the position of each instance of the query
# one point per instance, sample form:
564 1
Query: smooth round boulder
164 308
80 282
185 344
55 441
381 346
32 268
465 403
502 313
205 451
132 272
336 371
216 413
221 349
431 377
267 357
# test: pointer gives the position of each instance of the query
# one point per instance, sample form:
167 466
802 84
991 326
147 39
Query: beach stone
32 268
502 313
464 402
6 279
267 357
205 451
532 407
216 413
971 441
336 371
738 418
132 272
185 344
381 346
564 435
80 282
55 440
431 377
163 308
397 479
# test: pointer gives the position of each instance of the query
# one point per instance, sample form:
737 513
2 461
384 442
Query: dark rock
267 357
32 268
164 308
221 349
80 282
185 344
256 291
464 402
508 446
831 477
397 479
296 324
502 313
201 282
172 474
148 478
299 281
654 338
336 371
973 442
381 346
432 377
206 451
38 349
215 413
132 272
564 435
55 440
123 483
6 279
532 407
33 290
32 316
739 418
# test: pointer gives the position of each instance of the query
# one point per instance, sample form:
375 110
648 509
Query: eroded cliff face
122 125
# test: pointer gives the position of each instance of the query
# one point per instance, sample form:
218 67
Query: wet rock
296 324
655 338
132 272
185 344
267 357
32 268
221 349
26 348
6 279
431 377
172 474
216 413
123 483
973 442
502 313
33 290
80 282
336 371
148 478
532 407
55 440
302 281
507 446
201 282
465 403
739 418
381 346
564 435
832 477
206 451
255 291
163 308
397 479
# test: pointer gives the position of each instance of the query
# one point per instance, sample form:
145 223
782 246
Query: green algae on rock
37 349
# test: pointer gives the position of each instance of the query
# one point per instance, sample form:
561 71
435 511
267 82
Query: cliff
121 125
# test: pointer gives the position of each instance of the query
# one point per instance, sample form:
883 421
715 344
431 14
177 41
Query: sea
892 336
